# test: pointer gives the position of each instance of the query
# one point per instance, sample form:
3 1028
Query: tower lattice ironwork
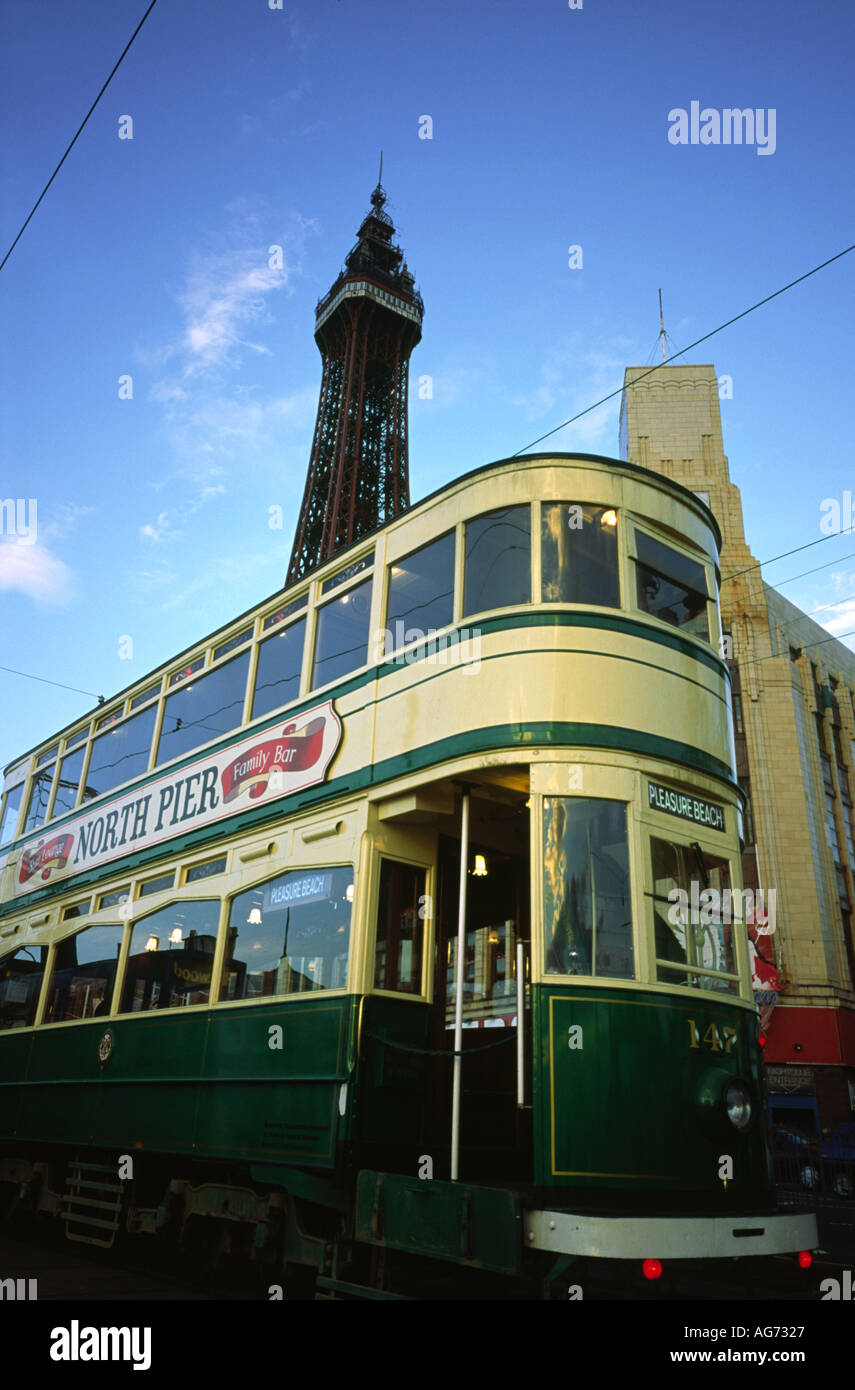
365 328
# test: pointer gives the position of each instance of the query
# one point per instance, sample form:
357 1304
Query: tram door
495 1132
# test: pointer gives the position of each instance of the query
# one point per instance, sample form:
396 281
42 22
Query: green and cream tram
368 929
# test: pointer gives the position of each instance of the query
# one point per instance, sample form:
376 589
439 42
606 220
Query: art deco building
794 725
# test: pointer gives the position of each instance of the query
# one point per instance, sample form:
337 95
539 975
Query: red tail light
652 1269
805 1259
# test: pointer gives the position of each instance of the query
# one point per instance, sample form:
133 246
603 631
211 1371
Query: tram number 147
717 1038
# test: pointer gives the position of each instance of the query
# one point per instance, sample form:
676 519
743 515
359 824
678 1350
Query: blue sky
255 127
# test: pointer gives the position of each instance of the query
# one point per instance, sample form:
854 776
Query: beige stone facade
794 720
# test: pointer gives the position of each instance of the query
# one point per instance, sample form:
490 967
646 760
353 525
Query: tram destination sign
258 769
692 808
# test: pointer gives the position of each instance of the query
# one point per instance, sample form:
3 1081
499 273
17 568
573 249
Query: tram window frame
34 997
599 511
128 977
700 560
226 992
629 944
320 680
8 826
288 624
471 605
53 969
42 773
80 751
141 714
414 634
421 929
210 674
689 973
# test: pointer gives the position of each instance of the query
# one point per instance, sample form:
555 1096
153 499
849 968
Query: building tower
365 328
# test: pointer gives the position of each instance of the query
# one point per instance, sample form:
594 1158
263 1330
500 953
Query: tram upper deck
558 613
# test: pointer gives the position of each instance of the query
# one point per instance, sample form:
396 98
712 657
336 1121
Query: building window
203 709
670 586
84 973
498 560
280 660
586 889
421 593
290 935
21 976
579 554
171 957
737 714
120 754
691 916
400 928
341 644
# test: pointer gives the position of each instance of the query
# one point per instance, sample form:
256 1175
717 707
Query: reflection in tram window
421 593
280 658
171 957
120 754
586 889
400 928
670 586
489 977
21 976
203 708
579 554
289 935
693 930
341 644
498 560
84 973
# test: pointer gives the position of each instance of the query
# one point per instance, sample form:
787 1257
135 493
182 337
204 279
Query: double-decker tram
385 937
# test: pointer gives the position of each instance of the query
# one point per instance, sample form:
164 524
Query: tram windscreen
586 888
692 915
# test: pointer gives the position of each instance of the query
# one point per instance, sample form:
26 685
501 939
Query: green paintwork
633 1110
204 1081
475 1226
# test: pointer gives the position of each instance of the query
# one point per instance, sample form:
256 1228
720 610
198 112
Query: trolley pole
458 1000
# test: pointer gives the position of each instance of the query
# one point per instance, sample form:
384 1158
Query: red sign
255 768
46 856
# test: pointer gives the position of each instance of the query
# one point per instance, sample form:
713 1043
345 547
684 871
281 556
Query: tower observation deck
366 326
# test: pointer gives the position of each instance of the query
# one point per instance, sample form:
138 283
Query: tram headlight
737 1104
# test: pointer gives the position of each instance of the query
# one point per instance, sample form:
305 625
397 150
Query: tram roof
656 479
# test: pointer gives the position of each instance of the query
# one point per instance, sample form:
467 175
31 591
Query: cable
831 536
45 681
74 140
695 344
815 570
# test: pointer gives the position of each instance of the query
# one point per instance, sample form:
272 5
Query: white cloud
571 379
34 571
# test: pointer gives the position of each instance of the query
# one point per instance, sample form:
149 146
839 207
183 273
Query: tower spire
366 326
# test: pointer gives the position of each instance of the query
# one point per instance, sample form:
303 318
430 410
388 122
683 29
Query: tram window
579 554
84 973
342 641
586 888
21 976
280 658
498 560
171 957
670 586
400 928
692 916
289 935
39 798
421 593
120 754
204 708
68 782
11 807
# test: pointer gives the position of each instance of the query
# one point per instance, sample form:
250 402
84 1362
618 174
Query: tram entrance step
91 1203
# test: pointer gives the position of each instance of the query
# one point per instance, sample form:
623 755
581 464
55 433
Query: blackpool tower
366 326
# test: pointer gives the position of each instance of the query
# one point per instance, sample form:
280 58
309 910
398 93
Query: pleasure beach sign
261 768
